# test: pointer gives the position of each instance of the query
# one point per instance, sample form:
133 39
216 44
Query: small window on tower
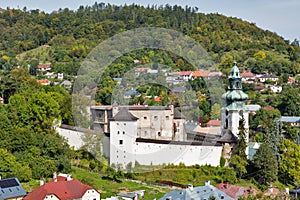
120 142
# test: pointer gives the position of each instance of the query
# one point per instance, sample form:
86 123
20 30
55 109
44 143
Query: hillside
72 34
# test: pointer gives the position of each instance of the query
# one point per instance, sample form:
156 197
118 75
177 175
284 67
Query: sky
280 16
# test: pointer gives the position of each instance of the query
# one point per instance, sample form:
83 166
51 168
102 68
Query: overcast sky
280 16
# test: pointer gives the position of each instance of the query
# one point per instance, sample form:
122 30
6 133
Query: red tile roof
185 73
201 73
247 75
236 191
214 122
62 189
43 81
44 67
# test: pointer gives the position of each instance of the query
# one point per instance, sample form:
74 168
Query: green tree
239 159
266 164
289 162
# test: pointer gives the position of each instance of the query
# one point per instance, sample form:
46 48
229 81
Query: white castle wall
158 154
124 149
72 136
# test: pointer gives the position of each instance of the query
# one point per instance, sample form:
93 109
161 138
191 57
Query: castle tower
234 108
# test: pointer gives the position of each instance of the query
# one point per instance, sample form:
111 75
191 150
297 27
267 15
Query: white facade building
126 147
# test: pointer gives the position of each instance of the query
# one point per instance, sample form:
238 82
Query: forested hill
72 34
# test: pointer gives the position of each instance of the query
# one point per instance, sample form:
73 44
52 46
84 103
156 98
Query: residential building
268 77
44 82
236 192
200 193
67 84
253 108
248 77
11 189
63 187
60 76
294 121
44 67
214 123
275 88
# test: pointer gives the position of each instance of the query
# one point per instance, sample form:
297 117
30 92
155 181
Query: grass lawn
110 188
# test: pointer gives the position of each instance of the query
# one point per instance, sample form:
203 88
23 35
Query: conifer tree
239 159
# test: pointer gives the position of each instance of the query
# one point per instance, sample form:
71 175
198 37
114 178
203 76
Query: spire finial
234 60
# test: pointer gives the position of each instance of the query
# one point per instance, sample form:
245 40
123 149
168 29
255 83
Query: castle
156 135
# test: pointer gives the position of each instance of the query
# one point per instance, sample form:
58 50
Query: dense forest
63 38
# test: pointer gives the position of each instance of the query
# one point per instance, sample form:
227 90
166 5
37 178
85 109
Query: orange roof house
63 187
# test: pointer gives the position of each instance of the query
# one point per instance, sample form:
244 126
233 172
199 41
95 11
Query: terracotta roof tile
62 189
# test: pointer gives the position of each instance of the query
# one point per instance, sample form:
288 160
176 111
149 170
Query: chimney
270 189
191 187
207 183
287 190
42 181
69 178
54 177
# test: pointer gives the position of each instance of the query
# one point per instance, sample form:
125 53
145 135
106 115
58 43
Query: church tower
234 108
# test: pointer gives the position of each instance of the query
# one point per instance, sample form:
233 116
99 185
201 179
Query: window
118 132
123 132
155 118
124 124
222 197
120 142
117 123
167 117
158 133
145 117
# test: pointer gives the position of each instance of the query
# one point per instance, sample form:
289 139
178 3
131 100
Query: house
44 82
291 80
214 123
44 67
200 193
248 77
276 88
253 108
66 84
268 77
135 195
200 73
295 193
60 76
273 192
294 121
11 189
129 93
63 187
236 192
138 71
186 75
50 75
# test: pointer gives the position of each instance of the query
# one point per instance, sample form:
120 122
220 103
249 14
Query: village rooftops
11 188
202 192
62 188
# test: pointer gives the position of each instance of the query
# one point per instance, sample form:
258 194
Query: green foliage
222 162
266 164
289 162
239 159
27 128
